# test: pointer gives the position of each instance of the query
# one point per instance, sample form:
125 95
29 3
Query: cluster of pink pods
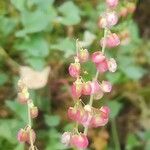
85 114
27 134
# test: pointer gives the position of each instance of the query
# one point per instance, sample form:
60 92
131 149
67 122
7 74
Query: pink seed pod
112 3
76 89
111 18
98 95
79 141
22 98
34 112
72 113
86 119
22 135
86 88
112 65
65 138
33 135
98 121
102 66
74 69
105 111
112 40
106 86
83 55
98 57
95 87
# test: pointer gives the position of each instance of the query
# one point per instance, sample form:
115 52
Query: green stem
115 135
30 125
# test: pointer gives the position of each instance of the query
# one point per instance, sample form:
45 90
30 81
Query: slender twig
115 135
30 125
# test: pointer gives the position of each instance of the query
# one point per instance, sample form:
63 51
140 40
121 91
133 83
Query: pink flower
65 139
86 88
112 65
79 141
83 55
22 135
95 87
102 66
112 3
106 86
98 57
76 89
74 69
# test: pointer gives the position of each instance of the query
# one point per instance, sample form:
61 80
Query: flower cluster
27 134
85 114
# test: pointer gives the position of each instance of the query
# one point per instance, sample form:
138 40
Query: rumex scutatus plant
86 114
27 134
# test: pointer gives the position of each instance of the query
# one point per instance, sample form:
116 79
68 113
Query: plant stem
96 76
30 125
115 135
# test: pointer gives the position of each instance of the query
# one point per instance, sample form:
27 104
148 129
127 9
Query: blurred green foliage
32 32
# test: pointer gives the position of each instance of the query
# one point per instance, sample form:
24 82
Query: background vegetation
40 33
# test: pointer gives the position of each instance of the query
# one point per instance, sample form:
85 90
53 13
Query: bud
112 40
22 135
102 22
98 95
86 88
22 98
76 88
112 65
72 113
111 18
33 135
112 3
74 69
79 141
95 87
105 111
102 66
98 57
106 86
65 139
87 108
123 12
34 112
83 55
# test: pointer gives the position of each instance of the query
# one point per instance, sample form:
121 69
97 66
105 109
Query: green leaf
19 110
52 121
36 46
67 45
33 22
70 13
36 63
115 108
19 4
133 72
3 78
132 142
